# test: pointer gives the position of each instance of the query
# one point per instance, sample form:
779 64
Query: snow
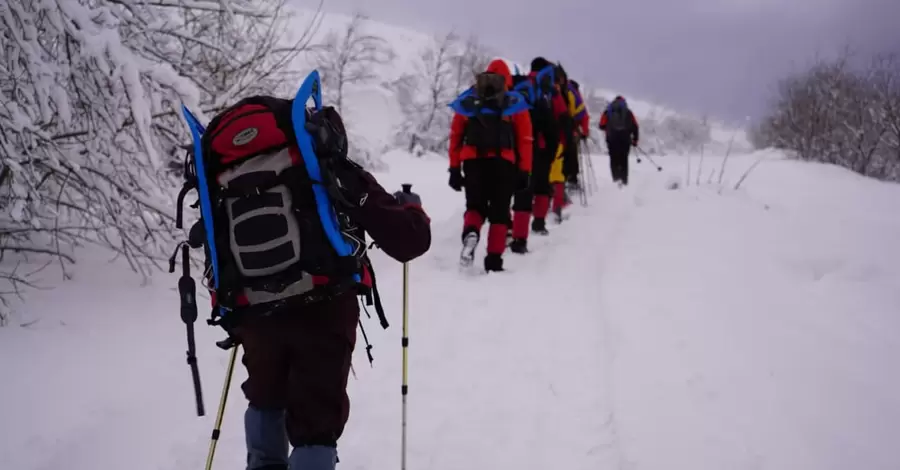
696 328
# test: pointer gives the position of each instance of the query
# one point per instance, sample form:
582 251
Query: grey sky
705 56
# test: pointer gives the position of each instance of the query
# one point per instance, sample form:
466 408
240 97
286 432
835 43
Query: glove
408 199
523 179
456 179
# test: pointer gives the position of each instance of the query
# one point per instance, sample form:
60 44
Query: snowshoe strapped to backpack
271 223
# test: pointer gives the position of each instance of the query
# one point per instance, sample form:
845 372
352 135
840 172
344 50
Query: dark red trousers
299 361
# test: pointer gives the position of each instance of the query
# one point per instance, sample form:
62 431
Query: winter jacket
578 111
632 130
519 148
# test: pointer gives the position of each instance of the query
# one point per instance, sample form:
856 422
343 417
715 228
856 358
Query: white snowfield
656 329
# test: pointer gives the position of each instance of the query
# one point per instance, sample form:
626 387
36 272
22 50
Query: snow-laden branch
840 114
444 68
90 128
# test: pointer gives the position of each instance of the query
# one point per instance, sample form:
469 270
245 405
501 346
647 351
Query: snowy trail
511 369
655 329
526 370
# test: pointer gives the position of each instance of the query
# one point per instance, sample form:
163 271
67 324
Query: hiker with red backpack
622 133
490 157
284 214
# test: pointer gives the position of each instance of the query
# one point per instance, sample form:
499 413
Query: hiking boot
493 262
470 243
519 246
558 215
539 226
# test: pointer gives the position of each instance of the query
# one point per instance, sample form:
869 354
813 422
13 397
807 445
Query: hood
500 67
539 63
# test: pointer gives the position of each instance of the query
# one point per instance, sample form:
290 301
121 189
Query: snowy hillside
676 324
656 329
373 109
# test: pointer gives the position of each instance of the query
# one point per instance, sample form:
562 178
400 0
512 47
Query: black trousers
570 160
618 160
489 185
539 183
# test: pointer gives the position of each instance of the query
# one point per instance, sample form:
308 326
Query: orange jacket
521 126
521 123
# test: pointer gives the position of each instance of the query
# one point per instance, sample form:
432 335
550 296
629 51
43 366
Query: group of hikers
515 140
284 215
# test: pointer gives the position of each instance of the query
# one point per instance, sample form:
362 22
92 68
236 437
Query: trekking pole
404 389
589 168
658 168
217 428
187 291
584 185
590 165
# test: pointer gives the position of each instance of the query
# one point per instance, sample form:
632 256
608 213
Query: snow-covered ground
656 329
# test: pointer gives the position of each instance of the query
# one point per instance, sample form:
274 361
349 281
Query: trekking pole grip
407 187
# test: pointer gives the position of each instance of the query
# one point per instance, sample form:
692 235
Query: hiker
279 284
582 128
621 129
537 88
567 143
490 156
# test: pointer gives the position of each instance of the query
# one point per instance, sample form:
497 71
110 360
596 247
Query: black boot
539 226
493 262
519 246
558 215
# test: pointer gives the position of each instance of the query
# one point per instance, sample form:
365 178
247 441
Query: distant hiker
490 156
537 88
581 128
621 129
284 272
567 143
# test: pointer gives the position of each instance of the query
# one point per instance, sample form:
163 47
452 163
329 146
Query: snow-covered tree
886 83
472 59
89 117
349 58
838 112
444 68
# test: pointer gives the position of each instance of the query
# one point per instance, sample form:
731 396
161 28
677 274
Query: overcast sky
705 56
